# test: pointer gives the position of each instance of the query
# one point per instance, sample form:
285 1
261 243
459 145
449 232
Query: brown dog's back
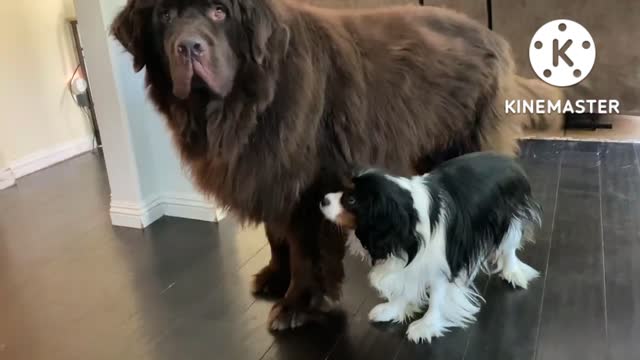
402 88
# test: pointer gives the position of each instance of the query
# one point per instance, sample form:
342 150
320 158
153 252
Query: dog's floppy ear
388 229
260 19
129 28
359 170
376 240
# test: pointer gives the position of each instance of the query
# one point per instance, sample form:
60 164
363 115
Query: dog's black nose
325 201
191 47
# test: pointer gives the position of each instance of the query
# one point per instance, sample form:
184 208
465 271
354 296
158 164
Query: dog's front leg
316 248
433 323
388 279
451 304
273 279
294 310
395 310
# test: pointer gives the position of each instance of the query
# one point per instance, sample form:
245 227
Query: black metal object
80 55
585 122
593 126
489 14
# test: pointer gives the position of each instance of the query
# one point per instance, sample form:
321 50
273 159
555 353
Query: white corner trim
45 158
6 178
188 206
135 215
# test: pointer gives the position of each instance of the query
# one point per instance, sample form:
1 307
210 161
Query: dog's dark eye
165 15
350 200
218 13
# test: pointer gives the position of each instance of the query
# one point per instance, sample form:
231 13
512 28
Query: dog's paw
425 329
388 311
519 274
283 317
270 282
323 303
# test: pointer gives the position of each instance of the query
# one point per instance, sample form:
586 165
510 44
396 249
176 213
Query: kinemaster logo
562 53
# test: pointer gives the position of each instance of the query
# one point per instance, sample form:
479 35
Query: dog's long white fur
426 281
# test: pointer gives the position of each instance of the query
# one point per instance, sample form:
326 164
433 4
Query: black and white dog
428 236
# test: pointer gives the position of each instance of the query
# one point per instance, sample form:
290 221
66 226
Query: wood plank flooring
74 287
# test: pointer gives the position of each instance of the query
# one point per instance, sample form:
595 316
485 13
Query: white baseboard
186 206
189 206
45 158
7 178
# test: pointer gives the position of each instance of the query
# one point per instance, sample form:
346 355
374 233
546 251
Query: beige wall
36 61
358 3
3 162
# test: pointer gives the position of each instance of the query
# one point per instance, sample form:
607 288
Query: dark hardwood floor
74 287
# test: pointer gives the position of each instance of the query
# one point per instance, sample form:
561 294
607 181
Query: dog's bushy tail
534 89
530 214
501 135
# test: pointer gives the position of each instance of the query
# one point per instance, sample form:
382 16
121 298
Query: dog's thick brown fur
277 101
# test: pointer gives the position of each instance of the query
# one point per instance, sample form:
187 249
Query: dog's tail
531 211
530 215
551 121
532 90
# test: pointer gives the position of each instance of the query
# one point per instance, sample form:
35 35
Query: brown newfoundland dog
272 102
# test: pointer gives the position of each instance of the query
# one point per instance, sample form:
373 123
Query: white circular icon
562 52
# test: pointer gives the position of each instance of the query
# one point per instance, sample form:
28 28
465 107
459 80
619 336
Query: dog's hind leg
512 269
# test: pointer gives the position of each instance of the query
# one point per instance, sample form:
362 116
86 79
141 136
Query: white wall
147 180
38 58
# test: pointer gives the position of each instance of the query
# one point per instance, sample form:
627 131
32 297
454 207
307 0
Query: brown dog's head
197 44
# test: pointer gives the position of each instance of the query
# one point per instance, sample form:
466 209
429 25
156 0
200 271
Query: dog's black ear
361 170
129 29
357 171
264 30
378 241
389 229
